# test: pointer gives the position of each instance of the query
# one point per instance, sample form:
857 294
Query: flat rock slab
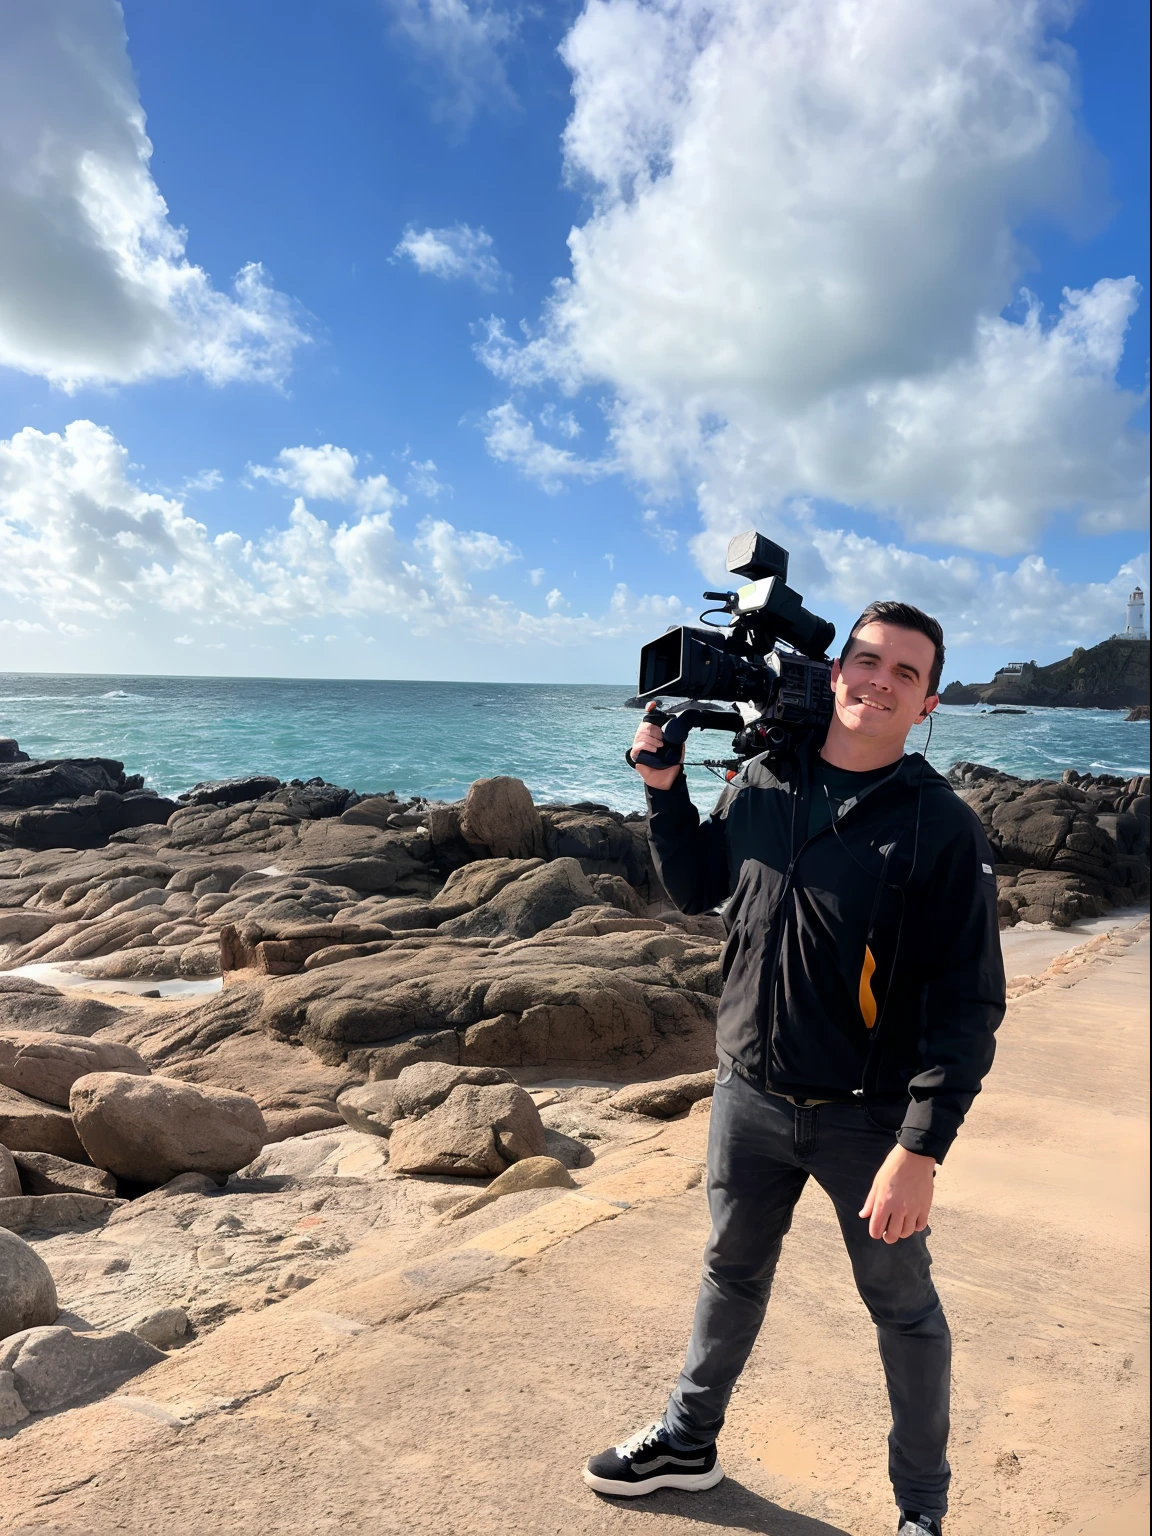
320 1154
212 1251
54 1213
30 1125
39 1173
614 998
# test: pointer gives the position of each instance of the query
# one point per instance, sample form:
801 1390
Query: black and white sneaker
647 1461
917 1525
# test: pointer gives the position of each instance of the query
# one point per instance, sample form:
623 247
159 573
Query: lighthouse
1135 628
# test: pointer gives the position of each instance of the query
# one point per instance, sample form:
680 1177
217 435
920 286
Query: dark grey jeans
761 1152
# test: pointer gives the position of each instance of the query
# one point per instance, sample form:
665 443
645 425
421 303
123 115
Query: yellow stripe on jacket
867 1001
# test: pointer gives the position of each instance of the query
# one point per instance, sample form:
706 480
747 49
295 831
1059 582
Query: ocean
566 742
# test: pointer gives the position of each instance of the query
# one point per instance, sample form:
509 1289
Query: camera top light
755 596
752 555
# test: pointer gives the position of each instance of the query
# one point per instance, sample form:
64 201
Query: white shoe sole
688 1482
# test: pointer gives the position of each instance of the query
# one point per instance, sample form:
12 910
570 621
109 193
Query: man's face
880 690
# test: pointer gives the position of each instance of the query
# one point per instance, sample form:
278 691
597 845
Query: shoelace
639 1441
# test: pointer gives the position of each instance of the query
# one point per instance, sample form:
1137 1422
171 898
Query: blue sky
792 265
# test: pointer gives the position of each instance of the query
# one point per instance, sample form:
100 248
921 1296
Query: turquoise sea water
566 742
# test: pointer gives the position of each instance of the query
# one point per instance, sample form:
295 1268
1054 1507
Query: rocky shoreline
342 1014
1064 850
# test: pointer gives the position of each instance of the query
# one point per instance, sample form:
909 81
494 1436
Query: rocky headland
1111 675
246 1029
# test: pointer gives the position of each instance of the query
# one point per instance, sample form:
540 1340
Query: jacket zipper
766 1042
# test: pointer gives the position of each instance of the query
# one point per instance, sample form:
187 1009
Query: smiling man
863 985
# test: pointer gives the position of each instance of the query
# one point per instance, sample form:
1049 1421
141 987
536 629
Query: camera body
768 657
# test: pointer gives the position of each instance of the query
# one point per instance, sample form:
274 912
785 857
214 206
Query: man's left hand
901 1195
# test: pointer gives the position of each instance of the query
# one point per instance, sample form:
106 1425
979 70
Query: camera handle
675 723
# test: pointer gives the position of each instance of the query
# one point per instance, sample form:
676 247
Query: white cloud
328 473
512 439
1028 606
458 252
83 547
206 480
651 611
95 286
981 454
463 44
563 422
451 554
536 576
667 538
801 246
79 538
422 479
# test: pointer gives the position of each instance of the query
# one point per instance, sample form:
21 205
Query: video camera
777 690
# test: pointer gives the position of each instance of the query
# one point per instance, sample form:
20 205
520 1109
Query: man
863 984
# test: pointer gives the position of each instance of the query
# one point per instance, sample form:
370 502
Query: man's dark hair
904 616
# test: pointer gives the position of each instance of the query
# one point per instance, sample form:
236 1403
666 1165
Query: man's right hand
650 738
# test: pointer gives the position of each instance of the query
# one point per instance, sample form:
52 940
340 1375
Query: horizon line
254 677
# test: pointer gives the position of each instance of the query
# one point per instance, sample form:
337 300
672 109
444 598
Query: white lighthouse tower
1135 628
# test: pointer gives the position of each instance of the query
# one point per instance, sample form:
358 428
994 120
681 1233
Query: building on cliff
1134 629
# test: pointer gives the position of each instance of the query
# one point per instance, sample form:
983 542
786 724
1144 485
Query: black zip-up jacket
861 963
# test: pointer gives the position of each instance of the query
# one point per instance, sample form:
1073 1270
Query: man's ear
836 674
930 704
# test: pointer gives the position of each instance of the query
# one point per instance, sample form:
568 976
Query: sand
461 1396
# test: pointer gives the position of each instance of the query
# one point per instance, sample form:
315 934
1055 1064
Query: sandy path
462 1396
